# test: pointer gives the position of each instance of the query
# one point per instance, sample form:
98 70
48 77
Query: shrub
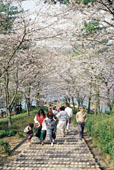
75 110
21 134
6 146
101 128
7 132
74 120
3 133
12 132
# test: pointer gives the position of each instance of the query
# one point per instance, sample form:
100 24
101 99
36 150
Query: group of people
54 121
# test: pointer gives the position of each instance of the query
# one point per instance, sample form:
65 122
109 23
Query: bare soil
13 142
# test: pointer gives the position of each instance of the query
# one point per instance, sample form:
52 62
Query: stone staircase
68 153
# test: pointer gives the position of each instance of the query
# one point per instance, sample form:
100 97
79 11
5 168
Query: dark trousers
52 134
81 129
41 134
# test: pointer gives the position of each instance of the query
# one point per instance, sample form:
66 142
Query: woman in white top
39 121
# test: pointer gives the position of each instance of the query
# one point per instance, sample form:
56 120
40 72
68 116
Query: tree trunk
97 100
68 100
95 109
65 100
78 100
73 102
28 101
82 101
9 118
7 98
38 101
112 106
98 106
28 105
89 105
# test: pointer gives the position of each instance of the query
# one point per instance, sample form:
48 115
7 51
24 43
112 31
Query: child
29 132
51 126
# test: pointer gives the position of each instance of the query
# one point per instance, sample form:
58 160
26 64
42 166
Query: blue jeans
52 134
81 129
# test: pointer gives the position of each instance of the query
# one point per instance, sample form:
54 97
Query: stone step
53 165
68 153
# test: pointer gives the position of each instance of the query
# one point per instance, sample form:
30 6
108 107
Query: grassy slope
19 121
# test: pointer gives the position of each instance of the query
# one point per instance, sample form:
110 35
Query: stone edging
92 155
18 145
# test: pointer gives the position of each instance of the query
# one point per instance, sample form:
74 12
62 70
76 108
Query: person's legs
67 126
80 130
83 124
53 135
29 140
50 135
64 127
38 132
42 136
29 137
61 126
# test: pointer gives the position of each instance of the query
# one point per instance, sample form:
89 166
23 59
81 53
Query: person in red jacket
39 121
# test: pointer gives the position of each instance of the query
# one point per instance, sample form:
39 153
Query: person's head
31 125
50 112
54 108
50 104
81 109
62 108
41 112
50 117
67 104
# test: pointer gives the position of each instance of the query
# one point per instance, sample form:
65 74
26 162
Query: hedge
6 146
101 128
8 132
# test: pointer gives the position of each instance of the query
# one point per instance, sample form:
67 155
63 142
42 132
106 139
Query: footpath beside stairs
68 153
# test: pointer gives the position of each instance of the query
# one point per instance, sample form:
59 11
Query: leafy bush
101 128
21 134
3 133
74 120
75 110
7 132
6 146
12 132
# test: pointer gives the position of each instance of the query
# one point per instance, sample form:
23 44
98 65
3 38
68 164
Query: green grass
20 121
101 128
74 120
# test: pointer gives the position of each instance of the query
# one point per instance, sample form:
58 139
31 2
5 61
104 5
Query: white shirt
69 111
44 127
62 116
55 112
81 117
35 120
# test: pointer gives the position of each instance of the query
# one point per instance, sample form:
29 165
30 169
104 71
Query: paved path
68 153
